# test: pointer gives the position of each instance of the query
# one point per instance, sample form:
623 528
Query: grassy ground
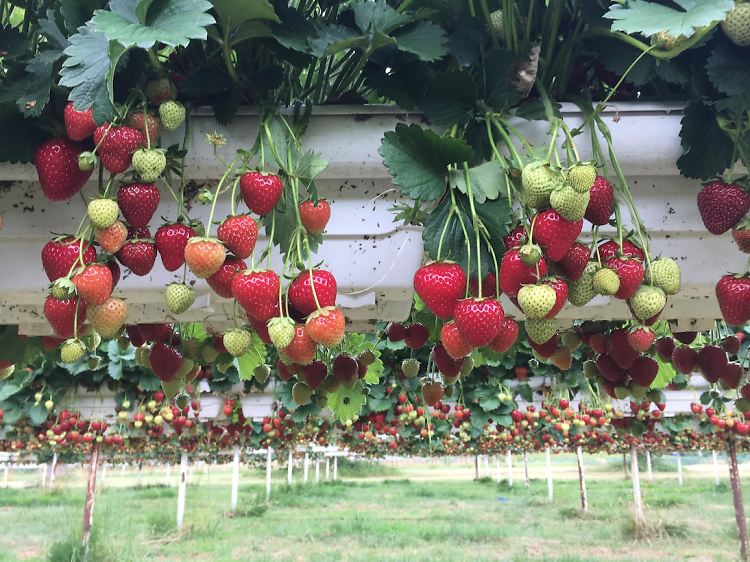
417 512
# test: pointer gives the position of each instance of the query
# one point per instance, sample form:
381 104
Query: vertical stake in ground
476 467
166 482
509 460
306 463
5 475
549 474
289 469
526 468
328 466
739 507
181 492
679 467
648 466
582 479
138 478
88 507
52 474
335 468
235 476
716 467
317 470
268 473
497 458
639 517
44 475
625 465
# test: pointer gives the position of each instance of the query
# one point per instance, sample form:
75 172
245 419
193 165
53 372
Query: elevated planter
372 258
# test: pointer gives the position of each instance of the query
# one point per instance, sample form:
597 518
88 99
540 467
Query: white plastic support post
52 474
122 472
335 468
88 506
317 470
328 466
739 507
679 467
648 466
306 462
639 517
582 479
549 474
166 482
509 460
138 478
235 476
526 468
181 492
268 473
716 467
289 470
5 475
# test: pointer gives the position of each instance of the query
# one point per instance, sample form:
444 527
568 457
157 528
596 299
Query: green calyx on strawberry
530 255
86 161
149 163
63 288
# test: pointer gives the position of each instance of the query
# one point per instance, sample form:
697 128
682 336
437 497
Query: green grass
417 514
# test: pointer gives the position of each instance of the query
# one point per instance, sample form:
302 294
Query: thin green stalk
552 36
475 221
508 142
488 20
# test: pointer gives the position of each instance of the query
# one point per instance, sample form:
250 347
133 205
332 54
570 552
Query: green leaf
464 41
13 43
309 166
225 106
737 104
488 181
301 412
729 69
707 151
149 381
36 413
17 350
233 13
76 13
90 70
172 22
404 85
617 57
114 369
9 389
255 356
50 30
37 83
418 159
377 15
495 90
525 392
664 376
489 403
450 98
345 403
206 81
330 35
649 18
534 111
424 39
250 30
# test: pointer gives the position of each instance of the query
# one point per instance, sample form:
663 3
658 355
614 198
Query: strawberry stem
216 195
570 143
506 139
445 229
513 130
468 246
474 220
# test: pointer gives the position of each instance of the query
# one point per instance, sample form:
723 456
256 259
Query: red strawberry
117 147
608 368
731 344
453 342
218 342
137 120
156 332
445 363
50 342
732 375
165 361
598 342
741 235
516 238
61 254
302 349
62 315
345 368
134 333
608 250
506 337
745 392
314 374
722 206
479 320
733 294
204 256
546 349
315 217
555 234
489 286
326 326
684 359
561 290
301 295
221 281
712 360
239 235
284 373
644 371
94 284
575 261
440 285
396 332
619 348
261 329
630 271
514 273
138 254
138 202
260 191
600 204
114 269
78 124
641 338
417 335
56 164
258 293
171 240
664 347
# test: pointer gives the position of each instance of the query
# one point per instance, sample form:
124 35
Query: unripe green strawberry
172 114
261 373
366 358
237 341
590 370
654 395
179 297
72 350
742 405
467 367
191 347
621 392
539 181
198 227
187 366
103 212
571 340
606 282
530 254
301 393
601 381
540 330
581 177
410 367
209 354
149 163
123 343
281 331
93 342
320 401
669 41
93 362
736 24
141 357
498 25
581 292
536 300
637 391
449 380
647 302
159 90
5 372
665 274
182 400
223 367
63 289
569 203
172 388
449 390
538 357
